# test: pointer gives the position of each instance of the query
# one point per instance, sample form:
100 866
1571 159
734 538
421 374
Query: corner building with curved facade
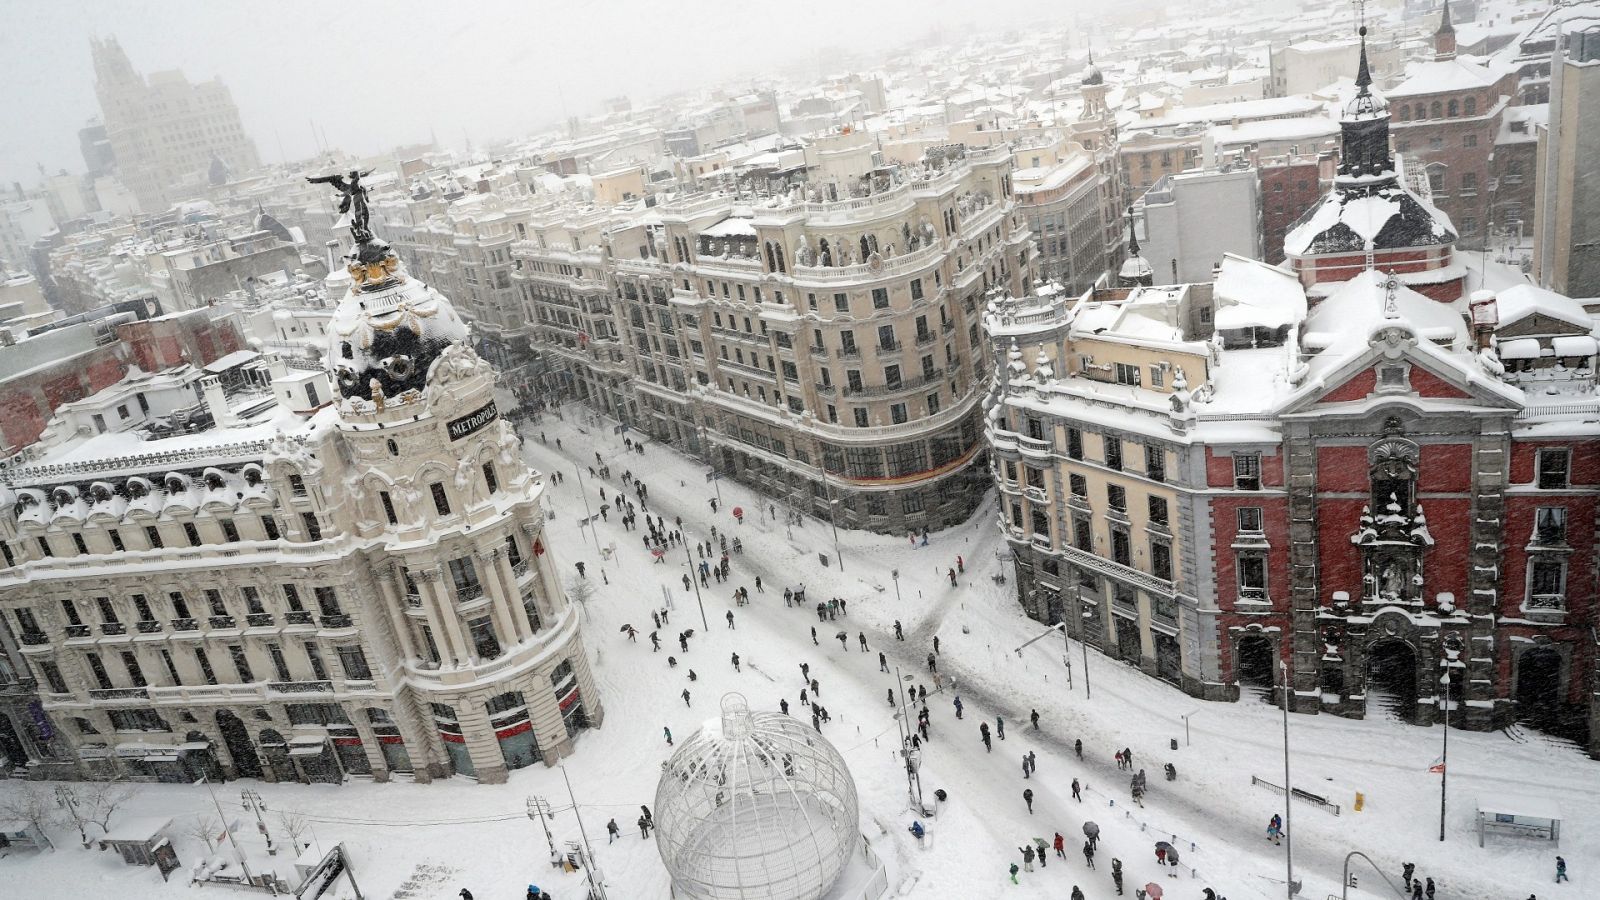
311 588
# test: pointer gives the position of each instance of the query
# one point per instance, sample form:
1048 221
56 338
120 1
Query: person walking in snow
730 618
1116 874
1428 891
1075 795
843 637
1000 727
783 705
1033 716
952 575
1013 878
655 643
883 662
1061 846
685 696
644 828
933 665
1406 871
816 689
814 637
861 638
1416 889
1077 747
1127 757
1027 858
736 662
466 894
961 564
668 732
1033 762
816 720
1025 765
899 633
1088 853
958 706
683 641
613 831
1561 870
759 588
983 735
891 697
1027 797
1275 829
1077 893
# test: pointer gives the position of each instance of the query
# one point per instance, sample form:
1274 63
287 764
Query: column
442 617
513 595
396 609
546 573
504 631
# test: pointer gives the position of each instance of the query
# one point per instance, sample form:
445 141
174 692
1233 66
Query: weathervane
354 201
1391 291
1361 12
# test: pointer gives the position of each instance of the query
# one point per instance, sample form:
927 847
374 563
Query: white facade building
1193 219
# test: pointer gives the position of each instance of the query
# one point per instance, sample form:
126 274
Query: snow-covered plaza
430 841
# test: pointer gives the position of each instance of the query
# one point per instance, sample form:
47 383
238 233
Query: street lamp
1288 791
1350 880
696 582
913 772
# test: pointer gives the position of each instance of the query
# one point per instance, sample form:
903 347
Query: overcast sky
375 74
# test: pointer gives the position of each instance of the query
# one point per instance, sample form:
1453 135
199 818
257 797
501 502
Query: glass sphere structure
755 806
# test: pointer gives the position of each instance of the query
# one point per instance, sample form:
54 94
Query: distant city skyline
528 67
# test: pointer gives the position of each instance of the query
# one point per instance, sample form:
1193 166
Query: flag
1438 766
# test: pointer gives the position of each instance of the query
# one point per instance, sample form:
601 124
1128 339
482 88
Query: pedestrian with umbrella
1152 890
1167 853
1092 832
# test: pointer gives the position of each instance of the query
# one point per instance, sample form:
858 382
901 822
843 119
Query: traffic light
1352 882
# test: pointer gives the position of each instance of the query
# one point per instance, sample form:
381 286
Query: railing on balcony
301 687
221 621
129 693
185 624
414 599
113 628
465 593
149 626
297 617
924 338
851 352
520 568
77 631
337 620
259 620
35 638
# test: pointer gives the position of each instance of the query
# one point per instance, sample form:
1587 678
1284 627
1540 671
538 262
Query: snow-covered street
430 841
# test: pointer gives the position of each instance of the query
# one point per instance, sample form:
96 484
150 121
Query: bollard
1174 743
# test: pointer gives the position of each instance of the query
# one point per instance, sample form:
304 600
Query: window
1250 520
861 416
135 673
319 670
327 601
513 552
214 600
886 339
891 377
1252 576
1550 525
206 671
170 666
1554 464
297 485
933 403
71 609
489 479
847 341
354 663
1113 452
880 298
897 413
1158 510
1079 486
291 596
142 606
1161 560
192 533
1082 536
79 545
1471 106
279 664
1117 497
1074 443
1155 463
484 640
312 526
44 546
1469 140
388 507
464 575
252 600
841 302
441 500
270 526
1547 577
137 720
916 288
108 613
180 606
98 669
1247 471
230 531
1127 374
1121 548
52 677
1157 377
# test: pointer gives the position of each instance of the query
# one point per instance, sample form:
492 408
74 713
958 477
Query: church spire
1444 40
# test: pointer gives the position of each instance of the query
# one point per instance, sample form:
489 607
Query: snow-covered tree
100 800
31 804
206 829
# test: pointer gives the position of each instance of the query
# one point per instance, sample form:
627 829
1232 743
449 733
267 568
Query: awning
161 757
1520 805
232 361
1574 345
1520 348
306 751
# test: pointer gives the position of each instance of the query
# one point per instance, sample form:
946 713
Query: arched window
1471 106
772 261
1422 112
1455 109
1405 113
1436 109
782 265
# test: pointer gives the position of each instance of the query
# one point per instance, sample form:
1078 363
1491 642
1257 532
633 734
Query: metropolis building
308 584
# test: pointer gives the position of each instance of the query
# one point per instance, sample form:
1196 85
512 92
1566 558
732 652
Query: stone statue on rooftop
353 201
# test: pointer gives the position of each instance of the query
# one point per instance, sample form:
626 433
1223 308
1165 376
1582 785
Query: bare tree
34 805
295 823
580 591
205 828
101 799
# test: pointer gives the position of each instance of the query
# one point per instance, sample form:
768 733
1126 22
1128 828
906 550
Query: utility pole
223 817
833 515
913 773
538 806
253 802
1450 660
694 579
1288 791
597 889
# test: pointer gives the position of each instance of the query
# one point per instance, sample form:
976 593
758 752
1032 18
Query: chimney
217 402
1485 318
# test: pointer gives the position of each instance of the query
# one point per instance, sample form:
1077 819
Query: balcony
520 568
297 617
35 638
301 687
113 628
77 631
149 626
890 346
185 624
131 693
850 352
259 620
221 621
466 593
1036 494
413 599
924 338
337 620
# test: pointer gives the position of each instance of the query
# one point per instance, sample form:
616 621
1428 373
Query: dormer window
345 351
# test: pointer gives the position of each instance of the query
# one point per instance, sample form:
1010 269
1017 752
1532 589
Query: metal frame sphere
755 806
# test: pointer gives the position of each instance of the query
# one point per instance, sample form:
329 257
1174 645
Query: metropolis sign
473 421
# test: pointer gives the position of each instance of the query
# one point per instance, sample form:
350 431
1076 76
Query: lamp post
1186 716
689 560
584 493
1288 791
1450 659
833 514
913 773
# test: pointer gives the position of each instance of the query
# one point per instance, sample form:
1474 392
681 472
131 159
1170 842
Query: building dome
385 336
755 806
1091 73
